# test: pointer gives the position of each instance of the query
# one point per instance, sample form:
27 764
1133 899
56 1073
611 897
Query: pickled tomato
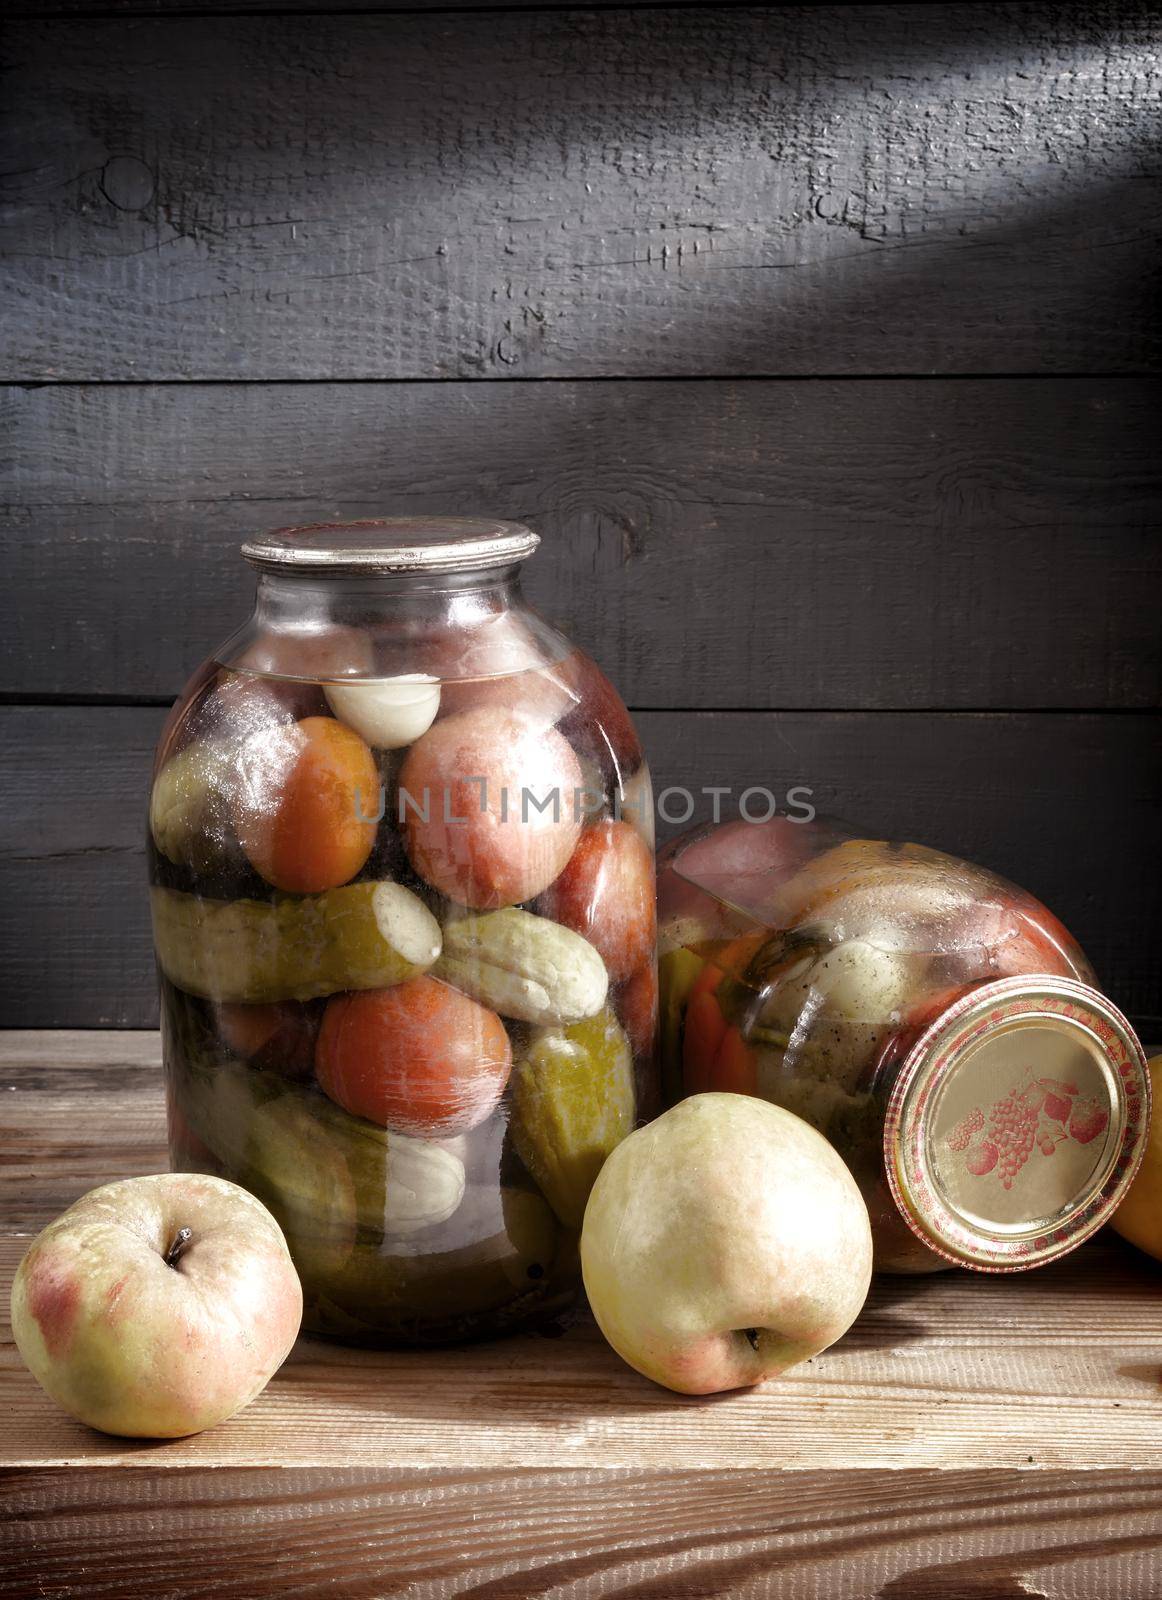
420 1058
488 807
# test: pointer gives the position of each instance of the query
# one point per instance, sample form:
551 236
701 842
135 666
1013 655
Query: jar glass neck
325 626
307 602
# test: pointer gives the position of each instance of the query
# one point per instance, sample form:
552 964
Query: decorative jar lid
1017 1122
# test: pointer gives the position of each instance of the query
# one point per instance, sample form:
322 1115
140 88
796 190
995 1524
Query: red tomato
606 894
421 1058
305 793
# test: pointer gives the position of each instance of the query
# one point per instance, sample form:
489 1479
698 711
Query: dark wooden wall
821 343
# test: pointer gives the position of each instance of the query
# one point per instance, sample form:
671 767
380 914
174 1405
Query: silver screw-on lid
393 544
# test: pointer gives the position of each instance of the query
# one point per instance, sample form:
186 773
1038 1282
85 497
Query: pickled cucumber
361 936
328 1177
271 1143
525 967
572 1103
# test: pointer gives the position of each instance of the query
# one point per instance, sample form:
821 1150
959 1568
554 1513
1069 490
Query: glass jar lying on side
937 1024
403 906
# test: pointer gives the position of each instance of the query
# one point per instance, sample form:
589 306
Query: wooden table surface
971 1436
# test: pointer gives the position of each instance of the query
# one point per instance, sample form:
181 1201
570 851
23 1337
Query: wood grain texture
1018 1418
908 188
1066 805
510 1535
828 544
1057 1369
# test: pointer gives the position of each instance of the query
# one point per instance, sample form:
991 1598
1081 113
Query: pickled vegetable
573 1102
856 948
279 1037
421 1058
388 712
306 795
487 801
636 1004
192 804
524 966
606 893
362 936
323 1173
509 1265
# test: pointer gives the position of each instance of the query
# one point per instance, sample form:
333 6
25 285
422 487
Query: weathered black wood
117 9
1065 804
764 544
705 190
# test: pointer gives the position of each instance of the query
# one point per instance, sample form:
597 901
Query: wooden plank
245 1534
1054 1370
971 1436
901 188
856 545
1067 805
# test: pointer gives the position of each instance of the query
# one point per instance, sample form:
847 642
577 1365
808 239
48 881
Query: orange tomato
715 1056
306 789
606 894
421 1058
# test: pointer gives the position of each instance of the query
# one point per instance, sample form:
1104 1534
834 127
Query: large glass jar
401 858
937 1024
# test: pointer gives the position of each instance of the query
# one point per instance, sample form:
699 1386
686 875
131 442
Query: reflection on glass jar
403 904
937 1024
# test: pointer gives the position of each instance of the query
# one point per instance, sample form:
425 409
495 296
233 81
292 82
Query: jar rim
393 545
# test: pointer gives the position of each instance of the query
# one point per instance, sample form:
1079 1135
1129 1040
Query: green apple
159 1306
723 1243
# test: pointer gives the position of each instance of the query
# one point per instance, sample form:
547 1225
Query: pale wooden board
661 1533
1057 1370
971 1438
759 545
805 189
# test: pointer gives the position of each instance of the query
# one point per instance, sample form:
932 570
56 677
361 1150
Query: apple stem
751 1335
178 1248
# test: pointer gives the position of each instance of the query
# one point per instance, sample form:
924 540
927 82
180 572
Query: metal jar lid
1017 1122
393 545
